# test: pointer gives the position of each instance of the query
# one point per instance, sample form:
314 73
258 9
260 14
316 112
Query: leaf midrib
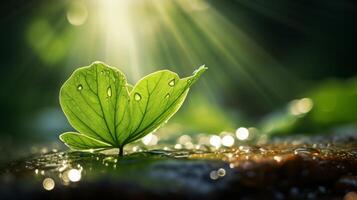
101 105
166 109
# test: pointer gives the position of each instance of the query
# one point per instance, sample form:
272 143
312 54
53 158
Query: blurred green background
279 66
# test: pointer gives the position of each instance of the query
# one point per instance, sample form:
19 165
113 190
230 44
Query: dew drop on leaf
137 96
172 82
167 95
79 87
109 91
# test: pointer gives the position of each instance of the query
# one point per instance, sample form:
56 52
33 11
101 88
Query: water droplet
178 146
245 149
278 158
306 151
109 91
189 81
221 172
79 87
172 83
48 184
213 175
137 96
167 95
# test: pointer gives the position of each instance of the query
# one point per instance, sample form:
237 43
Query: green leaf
109 113
81 141
95 99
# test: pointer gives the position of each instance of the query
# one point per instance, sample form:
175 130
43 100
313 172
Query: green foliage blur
333 105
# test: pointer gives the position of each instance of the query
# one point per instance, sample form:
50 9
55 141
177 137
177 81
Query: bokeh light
300 106
242 133
74 175
215 141
48 184
77 13
227 140
150 139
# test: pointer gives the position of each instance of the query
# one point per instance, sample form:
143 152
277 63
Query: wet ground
289 168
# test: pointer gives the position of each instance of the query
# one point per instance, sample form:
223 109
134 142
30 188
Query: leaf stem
121 151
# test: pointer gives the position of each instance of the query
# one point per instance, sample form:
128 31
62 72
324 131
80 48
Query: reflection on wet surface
280 169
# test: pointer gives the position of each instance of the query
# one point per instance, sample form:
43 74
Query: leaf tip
200 70
203 67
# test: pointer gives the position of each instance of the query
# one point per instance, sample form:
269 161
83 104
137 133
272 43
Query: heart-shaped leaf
109 113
